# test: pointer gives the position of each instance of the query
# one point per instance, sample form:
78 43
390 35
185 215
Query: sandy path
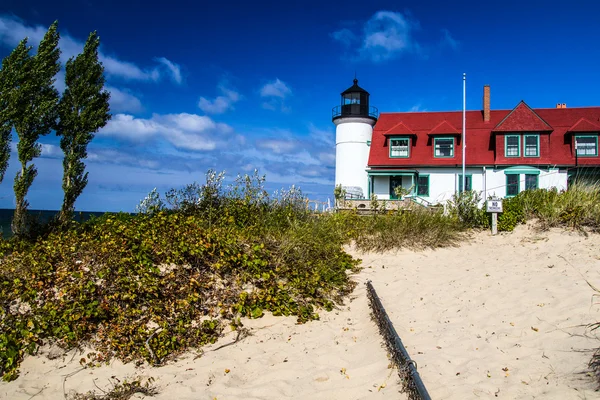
280 360
500 317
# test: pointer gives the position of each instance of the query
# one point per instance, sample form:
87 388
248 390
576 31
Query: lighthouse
354 119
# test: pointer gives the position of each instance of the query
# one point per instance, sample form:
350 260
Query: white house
507 151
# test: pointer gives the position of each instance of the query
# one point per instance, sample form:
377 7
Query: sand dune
498 317
338 357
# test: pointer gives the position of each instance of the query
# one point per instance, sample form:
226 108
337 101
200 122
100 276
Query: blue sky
236 86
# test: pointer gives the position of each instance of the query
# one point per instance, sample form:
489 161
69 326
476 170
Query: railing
419 200
407 368
354 110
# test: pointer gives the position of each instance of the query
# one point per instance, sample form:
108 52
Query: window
531 182
352 98
468 182
443 147
532 145
512 146
423 185
512 185
587 146
399 147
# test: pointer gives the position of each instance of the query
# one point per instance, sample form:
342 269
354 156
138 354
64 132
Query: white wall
554 178
547 179
352 151
444 182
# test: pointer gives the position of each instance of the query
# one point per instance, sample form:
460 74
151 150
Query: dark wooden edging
407 368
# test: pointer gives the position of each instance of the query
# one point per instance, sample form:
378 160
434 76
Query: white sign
494 206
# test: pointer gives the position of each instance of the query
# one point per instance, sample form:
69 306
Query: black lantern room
355 103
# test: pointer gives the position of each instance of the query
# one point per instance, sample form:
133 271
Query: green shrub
575 208
465 207
149 286
415 228
512 214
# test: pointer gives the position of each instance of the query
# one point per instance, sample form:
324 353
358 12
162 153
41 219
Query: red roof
485 140
399 129
444 128
522 118
584 125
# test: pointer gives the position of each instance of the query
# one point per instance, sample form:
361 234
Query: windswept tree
5 121
83 110
33 107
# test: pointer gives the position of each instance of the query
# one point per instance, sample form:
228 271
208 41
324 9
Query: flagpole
464 122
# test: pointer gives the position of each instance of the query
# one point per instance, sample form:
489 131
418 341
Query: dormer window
512 146
443 147
399 147
586 145
532 145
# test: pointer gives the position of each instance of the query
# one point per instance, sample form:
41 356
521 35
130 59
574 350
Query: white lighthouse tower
354 120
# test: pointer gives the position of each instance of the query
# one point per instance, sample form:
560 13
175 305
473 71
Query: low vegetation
577 208
120 391
192 263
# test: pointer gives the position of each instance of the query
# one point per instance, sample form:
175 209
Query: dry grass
120 391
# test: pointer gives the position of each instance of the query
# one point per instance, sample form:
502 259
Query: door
394 182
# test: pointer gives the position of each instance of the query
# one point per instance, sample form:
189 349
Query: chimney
486 103
564 105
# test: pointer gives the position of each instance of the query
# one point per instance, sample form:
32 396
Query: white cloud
345 36
417 108
275 93
123 101
278 146
221 103
13 30
387 35
51 151
174 69
59 82
277 88
448 40
184 131
114 156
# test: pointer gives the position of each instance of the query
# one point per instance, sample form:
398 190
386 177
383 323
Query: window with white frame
532 145
443 147
512 146
586 145
399 147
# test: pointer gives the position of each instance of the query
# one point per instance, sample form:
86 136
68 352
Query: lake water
6 215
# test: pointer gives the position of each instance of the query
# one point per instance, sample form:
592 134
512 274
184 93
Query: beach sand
497 317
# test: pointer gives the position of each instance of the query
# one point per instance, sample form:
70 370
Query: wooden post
494 206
